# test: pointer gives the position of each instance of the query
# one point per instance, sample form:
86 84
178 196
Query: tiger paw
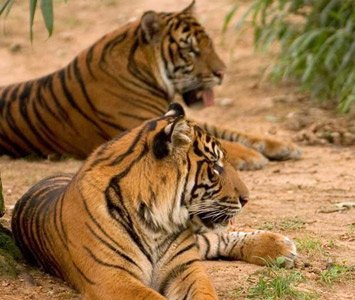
244 158
263 247
277 150
250 162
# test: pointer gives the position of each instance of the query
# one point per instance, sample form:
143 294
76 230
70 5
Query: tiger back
128 76
125 78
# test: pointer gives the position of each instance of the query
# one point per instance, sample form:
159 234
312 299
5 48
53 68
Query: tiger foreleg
272 148
243 158
192 283
127 290
257 247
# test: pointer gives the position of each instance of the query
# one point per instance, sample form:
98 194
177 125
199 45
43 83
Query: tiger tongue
208 97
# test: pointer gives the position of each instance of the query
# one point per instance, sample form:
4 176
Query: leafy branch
317 39
46 7
2 204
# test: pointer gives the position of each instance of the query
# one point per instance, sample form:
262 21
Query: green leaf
349 57
2 204
8 8
228 17
310 62
4 5
280 261
47 12
241 21
33 6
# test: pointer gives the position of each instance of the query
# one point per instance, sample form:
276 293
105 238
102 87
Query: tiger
141 214
127 77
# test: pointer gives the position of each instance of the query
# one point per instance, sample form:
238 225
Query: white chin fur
197 106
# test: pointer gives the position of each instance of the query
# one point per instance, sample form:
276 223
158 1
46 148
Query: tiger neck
125 61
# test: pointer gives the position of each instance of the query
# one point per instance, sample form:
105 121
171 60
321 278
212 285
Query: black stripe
19 134
186 297
237 242
83 275
74 105
48 260
88 60
51 137
15 149
121 214
104 232
3 98
109 45
25 114
182 251
62 112
130 149
173 274
109 265
138 72
141 100
133 116
55 218
39 98
208 245
88 100
108 245
14 92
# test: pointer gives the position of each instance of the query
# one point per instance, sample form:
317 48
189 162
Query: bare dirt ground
296 198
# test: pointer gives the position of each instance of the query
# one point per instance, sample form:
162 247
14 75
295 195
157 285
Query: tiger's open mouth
199 97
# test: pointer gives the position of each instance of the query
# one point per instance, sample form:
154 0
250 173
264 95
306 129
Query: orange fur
111 231
136 219
127 77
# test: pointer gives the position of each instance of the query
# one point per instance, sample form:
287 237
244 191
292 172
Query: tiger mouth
211 221
199 97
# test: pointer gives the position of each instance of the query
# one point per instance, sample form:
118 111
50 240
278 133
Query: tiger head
207 185
169 173
185 53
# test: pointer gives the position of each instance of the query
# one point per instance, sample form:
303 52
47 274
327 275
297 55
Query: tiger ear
190 10
175 109
151 25
175 137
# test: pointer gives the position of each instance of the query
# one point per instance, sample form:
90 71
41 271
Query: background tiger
128 76
137 218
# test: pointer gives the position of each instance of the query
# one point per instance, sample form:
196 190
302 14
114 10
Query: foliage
277 283
309 245
336 273
2 203
317 40
292 224
286 224
9 254
46 7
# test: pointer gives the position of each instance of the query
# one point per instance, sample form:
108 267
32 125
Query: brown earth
295 198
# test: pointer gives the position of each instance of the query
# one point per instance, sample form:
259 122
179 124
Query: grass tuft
309 245
337 273
316 38
9 254
286 224
291 224
277 283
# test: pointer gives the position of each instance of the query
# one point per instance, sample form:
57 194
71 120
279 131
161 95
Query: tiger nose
243 200
219 74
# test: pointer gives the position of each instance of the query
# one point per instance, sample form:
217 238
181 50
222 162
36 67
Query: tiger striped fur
128 76
135 221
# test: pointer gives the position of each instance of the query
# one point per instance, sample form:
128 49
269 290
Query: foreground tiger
128 76
137 218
